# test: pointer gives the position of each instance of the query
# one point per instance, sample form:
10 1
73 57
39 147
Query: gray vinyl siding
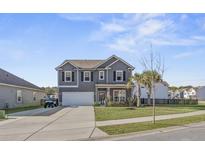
118 66
110 61
8 95
67 67
90 86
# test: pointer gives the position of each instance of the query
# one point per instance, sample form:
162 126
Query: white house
201 93
161 90
174 94
188 93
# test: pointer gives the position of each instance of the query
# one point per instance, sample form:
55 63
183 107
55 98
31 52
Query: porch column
96 94
108 93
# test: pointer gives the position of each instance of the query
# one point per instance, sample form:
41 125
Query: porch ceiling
110 85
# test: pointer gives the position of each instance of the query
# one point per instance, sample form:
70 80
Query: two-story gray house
82 82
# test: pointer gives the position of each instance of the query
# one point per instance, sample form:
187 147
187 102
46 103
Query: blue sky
32 45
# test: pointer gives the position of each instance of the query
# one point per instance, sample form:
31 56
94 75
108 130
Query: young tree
154 65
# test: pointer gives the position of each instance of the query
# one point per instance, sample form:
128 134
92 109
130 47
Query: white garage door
77 98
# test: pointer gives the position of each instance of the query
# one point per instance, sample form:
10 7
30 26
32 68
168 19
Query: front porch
116 93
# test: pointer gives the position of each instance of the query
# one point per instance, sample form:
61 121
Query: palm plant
149 78
136 78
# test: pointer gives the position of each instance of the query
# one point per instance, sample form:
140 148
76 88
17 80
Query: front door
101 97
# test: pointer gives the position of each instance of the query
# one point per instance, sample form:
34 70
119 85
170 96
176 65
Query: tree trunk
139 96
149 96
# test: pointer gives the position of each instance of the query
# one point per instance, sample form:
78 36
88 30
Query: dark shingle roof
8 78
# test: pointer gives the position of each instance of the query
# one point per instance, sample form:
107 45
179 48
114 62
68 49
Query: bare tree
155 64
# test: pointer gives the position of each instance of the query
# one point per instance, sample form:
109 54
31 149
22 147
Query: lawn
19 109
114 113
2 115
143 126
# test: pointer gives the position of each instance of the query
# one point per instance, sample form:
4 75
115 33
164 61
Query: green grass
143 126
114 113
19 109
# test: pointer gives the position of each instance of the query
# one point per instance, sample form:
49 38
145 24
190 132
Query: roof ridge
19 78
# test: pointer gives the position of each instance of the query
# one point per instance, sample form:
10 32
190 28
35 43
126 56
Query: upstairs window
87 76
101 75
119 76
68 76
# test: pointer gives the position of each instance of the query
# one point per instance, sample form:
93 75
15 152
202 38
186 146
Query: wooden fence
171 101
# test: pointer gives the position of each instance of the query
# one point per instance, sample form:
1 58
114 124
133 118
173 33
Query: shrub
2 114
97 104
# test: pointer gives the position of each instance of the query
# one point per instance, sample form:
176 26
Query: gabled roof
90 64
10 79
118 59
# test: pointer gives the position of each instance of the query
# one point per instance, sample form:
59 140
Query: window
101 75
19 96
34 96
68 76
86 76
119 76
119 95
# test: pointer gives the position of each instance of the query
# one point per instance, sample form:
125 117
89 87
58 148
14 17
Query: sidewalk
145 119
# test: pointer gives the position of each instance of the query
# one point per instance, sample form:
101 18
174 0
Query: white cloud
188 54
112 27
80 16
133 32
152 26
183 55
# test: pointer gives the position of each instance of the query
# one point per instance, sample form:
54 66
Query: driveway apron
67 124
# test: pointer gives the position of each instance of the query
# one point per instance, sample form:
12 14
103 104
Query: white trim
71 79
19 94
9 85
118 58
71 86
89 76
102 75
113 63
118 95
65 62
65 86
117 71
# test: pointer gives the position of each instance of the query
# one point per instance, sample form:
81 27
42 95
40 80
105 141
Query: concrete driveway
67 124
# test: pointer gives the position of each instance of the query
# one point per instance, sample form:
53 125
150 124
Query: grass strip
19 109
143 126
115 113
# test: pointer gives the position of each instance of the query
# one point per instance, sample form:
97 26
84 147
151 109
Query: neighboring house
161 90
82 82
189 93
201 93
174 94
15 91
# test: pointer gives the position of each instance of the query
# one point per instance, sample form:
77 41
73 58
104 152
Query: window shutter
82 76
114 75
91 76
124 75
63 76
73 76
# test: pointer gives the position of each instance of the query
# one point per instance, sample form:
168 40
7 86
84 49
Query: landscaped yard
143 126
114 113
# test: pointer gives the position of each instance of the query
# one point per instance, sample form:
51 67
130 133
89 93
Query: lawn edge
147 132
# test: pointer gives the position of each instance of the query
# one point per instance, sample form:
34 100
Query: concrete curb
144 133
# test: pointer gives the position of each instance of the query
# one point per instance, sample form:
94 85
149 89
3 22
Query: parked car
51 102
